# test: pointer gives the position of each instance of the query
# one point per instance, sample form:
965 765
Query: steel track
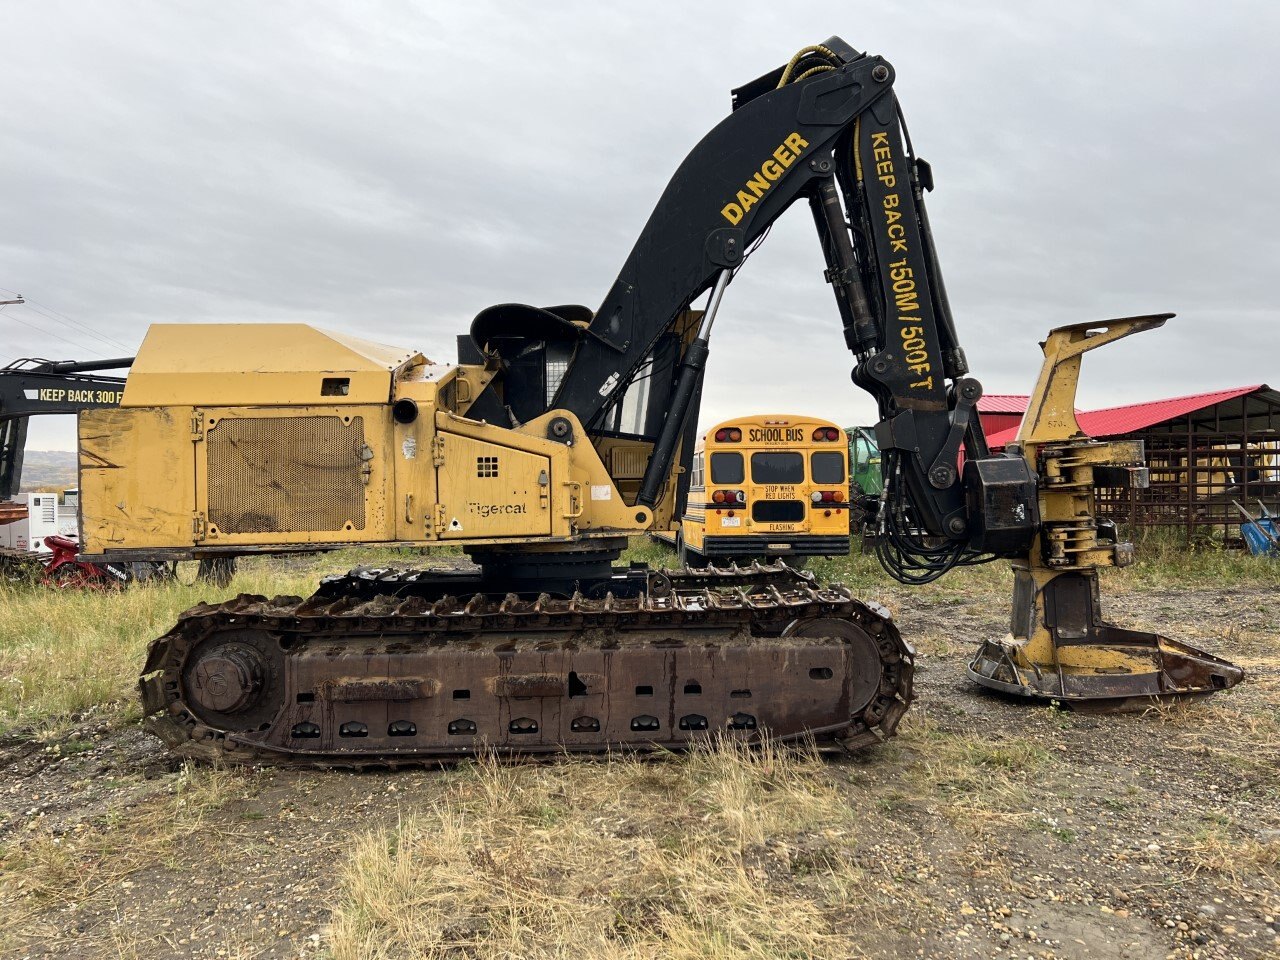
374 671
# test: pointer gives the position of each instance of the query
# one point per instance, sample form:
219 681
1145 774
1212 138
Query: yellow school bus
766 487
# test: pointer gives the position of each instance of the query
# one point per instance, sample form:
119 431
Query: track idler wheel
225 679
234 680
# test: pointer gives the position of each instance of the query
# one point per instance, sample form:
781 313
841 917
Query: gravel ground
999 829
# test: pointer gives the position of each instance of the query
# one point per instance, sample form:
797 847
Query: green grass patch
67 652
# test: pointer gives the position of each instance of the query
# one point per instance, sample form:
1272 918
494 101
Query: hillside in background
48 468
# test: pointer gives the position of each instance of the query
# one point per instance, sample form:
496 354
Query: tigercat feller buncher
561 432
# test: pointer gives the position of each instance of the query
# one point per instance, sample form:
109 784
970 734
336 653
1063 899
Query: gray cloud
388 169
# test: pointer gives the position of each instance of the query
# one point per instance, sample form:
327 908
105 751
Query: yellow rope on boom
806 51
821 68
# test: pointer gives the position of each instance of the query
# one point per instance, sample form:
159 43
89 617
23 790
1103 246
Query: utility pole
5 303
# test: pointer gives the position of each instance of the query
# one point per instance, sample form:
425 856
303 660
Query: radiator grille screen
286 474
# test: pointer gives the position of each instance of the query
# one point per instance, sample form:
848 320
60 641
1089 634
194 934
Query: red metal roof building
1114 421
1203 451
1003 403
1001 411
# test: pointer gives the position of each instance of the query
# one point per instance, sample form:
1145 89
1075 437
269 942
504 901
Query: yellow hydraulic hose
806 51
823 68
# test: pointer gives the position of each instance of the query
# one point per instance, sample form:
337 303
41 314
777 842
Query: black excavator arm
32 387
825 128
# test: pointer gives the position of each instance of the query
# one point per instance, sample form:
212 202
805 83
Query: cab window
862 451
777 468
726 468
827 467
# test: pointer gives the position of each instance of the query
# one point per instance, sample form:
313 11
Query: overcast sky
388 169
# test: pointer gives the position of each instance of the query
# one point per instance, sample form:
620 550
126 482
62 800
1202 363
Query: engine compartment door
488 490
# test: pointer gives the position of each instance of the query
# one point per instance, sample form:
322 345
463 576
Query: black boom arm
825 128
731 187
32 387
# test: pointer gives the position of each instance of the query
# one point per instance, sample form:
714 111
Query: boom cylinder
691 367
860 332
84 366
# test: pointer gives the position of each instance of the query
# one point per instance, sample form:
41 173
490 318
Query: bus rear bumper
781 544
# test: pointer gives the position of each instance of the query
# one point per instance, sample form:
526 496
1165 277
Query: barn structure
1001 413
1203 452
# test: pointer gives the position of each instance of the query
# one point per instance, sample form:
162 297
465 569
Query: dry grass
726 852
1229 854
729 853
44 871
974 779
1165 560
1196 728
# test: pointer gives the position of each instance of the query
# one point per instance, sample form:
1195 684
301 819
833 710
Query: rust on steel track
358 676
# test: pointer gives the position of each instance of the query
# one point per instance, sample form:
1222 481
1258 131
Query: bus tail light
728 435
827 496
718 496
824 434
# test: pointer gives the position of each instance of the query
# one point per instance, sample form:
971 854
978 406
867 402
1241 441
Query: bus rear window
827 467
726 468
777 468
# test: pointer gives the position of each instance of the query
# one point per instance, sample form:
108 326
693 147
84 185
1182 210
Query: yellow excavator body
237 438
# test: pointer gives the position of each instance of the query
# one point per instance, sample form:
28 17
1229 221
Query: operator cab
534 346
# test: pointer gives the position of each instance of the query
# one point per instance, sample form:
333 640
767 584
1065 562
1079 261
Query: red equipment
63 569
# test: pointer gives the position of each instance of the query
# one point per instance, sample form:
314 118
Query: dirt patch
987 828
